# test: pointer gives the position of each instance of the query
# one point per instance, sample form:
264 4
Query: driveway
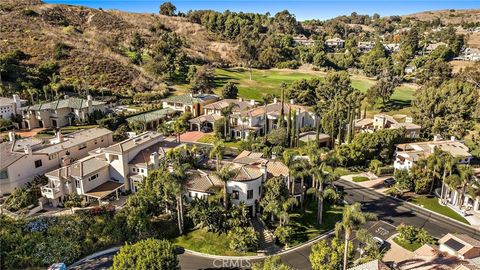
375 182
191 136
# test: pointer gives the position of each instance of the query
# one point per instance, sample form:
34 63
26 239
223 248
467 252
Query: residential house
408 153
459 245
252 121
152 119
335 43
371 265
121 166
324 140
9 106
60 113
472 54
383 121
250 172
470 201
192 103
365 46
432 46
23 159
303 40
213 112
392 47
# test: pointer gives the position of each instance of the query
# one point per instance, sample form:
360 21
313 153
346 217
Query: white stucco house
192 103
9 106
383 121
23 159
121 166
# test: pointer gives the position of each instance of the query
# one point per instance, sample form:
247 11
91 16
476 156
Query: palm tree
32 92
352 218
319 177
265 100
448 163
179 177
288 158
466 174
434 164
283 215
225 174
217 152
226 112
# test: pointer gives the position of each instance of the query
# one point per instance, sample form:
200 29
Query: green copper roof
189 99
151 116
71 102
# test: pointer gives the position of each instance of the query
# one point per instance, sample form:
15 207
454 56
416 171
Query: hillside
97 41
448 16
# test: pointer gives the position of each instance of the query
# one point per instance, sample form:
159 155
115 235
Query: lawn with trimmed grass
358 179
406 245
268 82
211 139
208 242
433 205
305 225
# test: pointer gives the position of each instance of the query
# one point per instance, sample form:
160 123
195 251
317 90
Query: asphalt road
390 212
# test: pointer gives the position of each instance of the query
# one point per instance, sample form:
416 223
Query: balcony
49 192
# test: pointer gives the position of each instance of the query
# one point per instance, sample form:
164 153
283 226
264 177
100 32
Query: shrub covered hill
92 47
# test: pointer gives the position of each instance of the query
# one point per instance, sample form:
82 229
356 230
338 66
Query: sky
303 9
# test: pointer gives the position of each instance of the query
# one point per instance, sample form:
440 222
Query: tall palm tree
265 100
217 152
434 165
466 174
288 158
225 174
179 177
448 164
226 113
319 177
352 218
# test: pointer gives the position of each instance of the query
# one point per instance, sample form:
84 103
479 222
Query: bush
60 50
243 239
293 64
146 254
374 165
29 12
388 170
412 234
150 96
21 198
422 185
283 234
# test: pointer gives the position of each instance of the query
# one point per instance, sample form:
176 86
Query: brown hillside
98 39
447 16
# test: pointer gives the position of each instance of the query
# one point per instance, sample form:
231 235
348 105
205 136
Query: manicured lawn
268 82
305 224
211 139
408 246
358 179
433 205
341 171
207 242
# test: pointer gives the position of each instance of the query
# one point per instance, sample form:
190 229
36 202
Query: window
38 163
134 170
52 156
235 194
141 170
259 190
77 183
249 194
95 141
190 194
82 146
4 174
93 177
114 157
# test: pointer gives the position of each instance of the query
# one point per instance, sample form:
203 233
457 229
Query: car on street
389 182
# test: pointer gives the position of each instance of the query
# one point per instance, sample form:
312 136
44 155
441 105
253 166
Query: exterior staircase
266 239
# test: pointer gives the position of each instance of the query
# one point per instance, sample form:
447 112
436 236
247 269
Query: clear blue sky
303 9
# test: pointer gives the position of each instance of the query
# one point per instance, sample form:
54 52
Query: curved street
389 210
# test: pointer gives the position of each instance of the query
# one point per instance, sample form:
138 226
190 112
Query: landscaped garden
411 238
305 225
431 203
209 138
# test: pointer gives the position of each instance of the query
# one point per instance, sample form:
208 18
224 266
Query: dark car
389 182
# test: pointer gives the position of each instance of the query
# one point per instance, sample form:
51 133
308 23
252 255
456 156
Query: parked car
389 182
380 243
58 266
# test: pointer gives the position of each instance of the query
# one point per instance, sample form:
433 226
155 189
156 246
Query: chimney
263 169
59 136
11 136
240 99
191 94
452 138
292 101
154 160
89 103
252 102
436 138
18 103
28 149
408 119
275 100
